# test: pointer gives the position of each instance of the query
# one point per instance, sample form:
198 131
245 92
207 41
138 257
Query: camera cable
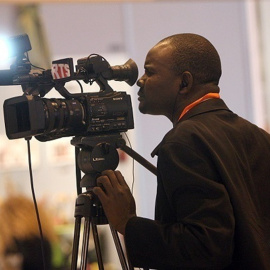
35 202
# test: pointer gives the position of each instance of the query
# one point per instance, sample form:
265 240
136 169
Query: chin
142 109
146 110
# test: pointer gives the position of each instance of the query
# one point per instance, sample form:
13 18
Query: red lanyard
196 102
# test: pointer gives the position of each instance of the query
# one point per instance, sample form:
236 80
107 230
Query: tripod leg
97 246
86 234
76 241
119 249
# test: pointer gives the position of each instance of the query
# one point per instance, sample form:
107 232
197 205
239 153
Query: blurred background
119 30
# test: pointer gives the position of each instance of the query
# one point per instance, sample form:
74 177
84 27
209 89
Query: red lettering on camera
60 71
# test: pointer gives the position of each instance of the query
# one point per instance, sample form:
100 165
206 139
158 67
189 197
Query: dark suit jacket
213 196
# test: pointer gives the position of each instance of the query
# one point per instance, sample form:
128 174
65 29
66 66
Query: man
213 194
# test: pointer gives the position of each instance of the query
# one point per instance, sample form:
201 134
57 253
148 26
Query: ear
186 83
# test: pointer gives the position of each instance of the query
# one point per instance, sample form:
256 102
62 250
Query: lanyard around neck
198 101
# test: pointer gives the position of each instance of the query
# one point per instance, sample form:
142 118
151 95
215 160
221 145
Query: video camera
80 114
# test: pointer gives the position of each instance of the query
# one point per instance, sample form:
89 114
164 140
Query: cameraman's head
178 70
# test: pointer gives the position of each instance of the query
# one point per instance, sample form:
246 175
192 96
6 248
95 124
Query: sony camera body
49 119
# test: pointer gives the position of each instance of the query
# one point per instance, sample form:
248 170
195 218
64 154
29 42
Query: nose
140 82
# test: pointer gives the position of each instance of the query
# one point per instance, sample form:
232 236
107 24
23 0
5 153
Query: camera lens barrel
63 115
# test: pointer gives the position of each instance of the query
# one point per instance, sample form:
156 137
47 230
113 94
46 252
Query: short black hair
197 55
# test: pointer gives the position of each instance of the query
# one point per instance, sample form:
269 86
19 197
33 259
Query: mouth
140 95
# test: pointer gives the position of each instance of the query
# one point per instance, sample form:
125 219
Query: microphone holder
95 154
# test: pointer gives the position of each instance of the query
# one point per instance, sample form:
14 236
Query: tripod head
95 154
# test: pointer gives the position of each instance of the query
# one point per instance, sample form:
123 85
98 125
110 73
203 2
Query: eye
148 72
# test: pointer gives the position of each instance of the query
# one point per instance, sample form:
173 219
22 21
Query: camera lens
62 118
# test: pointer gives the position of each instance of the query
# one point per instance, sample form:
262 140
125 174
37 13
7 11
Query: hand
116 199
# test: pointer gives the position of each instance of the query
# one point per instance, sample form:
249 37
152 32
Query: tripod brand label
98 159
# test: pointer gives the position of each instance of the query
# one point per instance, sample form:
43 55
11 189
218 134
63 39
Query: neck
189 98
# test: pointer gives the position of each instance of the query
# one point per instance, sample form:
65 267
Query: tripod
94 155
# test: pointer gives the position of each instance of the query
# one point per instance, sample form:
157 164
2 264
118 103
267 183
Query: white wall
264 8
